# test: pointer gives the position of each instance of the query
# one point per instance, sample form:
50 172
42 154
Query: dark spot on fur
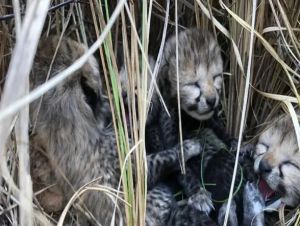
193 107
281 189
90 95
280 172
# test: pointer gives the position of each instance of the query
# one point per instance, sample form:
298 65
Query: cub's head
277 160
78 96
127 89
200 72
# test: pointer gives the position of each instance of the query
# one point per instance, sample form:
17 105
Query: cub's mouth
272 198
202 115
194 112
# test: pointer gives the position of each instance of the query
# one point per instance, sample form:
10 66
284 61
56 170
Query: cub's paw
247 150
201 201
253 204
232 217
191 148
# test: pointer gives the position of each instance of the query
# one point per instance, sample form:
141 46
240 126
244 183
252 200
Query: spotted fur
200 78
277 159
69 124
215 166
199 70
253 206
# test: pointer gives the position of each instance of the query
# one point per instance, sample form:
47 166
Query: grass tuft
261 80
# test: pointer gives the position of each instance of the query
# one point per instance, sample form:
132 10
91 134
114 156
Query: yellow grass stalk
244 108
19 70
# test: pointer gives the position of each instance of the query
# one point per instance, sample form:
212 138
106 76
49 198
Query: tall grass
272 77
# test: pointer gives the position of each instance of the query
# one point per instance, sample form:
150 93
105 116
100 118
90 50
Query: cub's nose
264 167
211 102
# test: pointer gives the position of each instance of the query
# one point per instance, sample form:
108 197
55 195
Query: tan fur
200 72
126 87
277 159
42 173
69 124
66 126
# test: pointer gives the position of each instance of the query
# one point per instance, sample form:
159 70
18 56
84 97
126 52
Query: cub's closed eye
217 76
265 145
193 84
286 163
290 164
261 148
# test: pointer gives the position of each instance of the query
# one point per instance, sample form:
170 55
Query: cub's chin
200 116
290 193
290 200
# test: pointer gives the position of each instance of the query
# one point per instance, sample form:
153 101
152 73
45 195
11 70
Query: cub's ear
285 122
170 49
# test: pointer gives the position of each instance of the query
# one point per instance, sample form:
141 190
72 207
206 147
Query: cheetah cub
200 72
69 123
277 160
200 80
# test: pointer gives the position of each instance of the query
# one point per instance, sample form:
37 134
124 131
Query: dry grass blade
31 29
182 163
87 188
278 97
295 121
13 107
17 13
144 55
250 99
123 170
26 209
245 101
159 59
269 49
19 70
225 32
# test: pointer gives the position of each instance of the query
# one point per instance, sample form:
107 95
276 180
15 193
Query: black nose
264 167
211 102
